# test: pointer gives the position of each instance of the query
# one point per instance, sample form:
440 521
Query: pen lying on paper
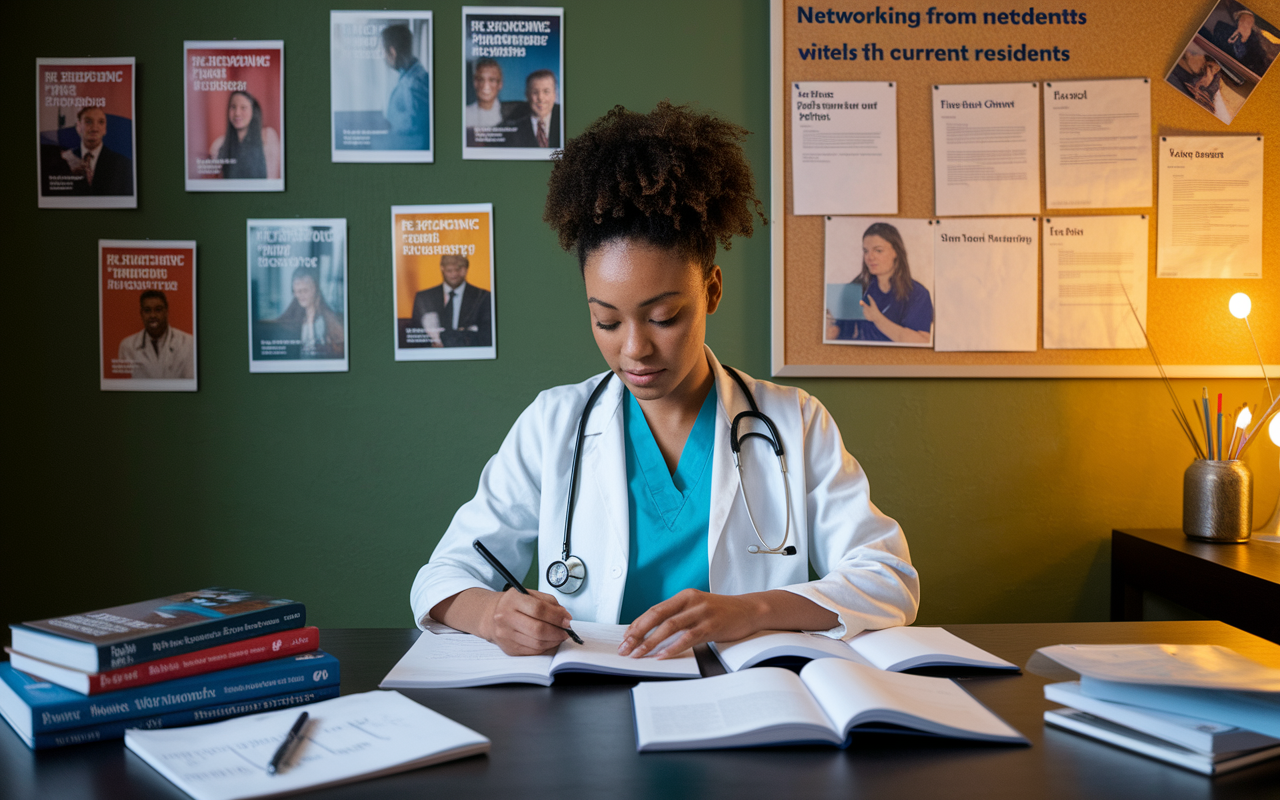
511 579
287 745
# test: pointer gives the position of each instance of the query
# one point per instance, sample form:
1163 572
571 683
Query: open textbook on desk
830 699
451 659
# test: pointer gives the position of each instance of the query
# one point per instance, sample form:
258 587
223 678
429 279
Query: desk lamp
1240 306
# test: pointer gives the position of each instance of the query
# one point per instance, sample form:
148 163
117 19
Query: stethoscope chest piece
567 576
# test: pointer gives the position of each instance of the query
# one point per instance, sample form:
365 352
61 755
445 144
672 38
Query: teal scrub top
669 513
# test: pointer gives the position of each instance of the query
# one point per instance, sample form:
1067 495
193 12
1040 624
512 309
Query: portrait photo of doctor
159 350
672 531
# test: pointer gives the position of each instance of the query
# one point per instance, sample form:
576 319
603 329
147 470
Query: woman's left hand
697 617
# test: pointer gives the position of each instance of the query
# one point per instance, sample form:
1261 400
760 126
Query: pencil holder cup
1217 501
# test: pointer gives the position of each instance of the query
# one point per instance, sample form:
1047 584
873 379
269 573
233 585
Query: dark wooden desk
1236 583
575 741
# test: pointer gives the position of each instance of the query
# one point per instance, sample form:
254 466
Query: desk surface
1259 559
575 740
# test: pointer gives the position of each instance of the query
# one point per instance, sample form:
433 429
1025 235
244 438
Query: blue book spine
54 708
115 730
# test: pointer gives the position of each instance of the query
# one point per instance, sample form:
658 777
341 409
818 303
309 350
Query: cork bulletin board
1187 319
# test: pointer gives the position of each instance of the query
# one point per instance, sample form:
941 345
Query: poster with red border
233 104
87 153
147 315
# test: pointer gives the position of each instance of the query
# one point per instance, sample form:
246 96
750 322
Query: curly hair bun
671 178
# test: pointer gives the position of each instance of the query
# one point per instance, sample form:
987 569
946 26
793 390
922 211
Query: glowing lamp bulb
1273 430
1243 420
1240 305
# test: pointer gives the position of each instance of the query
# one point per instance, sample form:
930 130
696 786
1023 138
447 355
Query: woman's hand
833 330
522 625
696 617
872 312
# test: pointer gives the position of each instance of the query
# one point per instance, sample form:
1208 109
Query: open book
451 660
830 699
893 649
347 739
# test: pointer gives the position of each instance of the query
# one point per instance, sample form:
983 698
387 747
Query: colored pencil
1219 426
1208 420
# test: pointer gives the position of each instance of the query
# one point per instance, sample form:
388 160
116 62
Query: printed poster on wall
442 267
844 134
297 295
234 116
879 282
147 316
380 84
512 82
87 152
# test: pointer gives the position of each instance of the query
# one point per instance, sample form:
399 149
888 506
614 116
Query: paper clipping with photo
297 295
878 288
443 279
1226 58
85 120
147 315
380 85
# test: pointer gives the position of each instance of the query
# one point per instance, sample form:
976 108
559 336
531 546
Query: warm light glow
1245 417
1240 305
1274 429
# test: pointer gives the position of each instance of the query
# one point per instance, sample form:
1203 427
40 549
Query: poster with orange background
444 282
234 116
147 315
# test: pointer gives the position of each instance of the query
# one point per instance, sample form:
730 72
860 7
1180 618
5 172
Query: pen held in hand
511 579
286 747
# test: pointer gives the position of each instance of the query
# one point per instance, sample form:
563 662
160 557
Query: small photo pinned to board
879 282
1226 59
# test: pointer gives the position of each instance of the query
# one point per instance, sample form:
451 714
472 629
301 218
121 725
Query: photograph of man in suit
159 350
410 101
102 171
541 128
455 313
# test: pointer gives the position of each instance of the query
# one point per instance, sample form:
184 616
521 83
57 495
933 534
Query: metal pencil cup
1217 501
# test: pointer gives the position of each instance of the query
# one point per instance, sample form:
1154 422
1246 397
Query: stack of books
1202 708
180 660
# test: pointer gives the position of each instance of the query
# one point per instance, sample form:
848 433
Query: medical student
667 535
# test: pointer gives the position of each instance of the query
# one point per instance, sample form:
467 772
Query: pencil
1208 421
1219 426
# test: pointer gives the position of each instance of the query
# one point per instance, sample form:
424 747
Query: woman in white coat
660 519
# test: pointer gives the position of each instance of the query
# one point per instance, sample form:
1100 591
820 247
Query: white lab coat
519 506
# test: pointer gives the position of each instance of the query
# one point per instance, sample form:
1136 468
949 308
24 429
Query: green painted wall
333 489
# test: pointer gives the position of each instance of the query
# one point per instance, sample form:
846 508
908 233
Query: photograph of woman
664 533
247 149
895 307
310 319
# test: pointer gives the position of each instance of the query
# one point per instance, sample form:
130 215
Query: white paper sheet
986 284
1097 144
986 149
1090 263
844 147
348 738
1210 208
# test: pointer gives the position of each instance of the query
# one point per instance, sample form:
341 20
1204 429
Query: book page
1209 218
726 705
909 647
748 652
348 738
844 147
852 694
1097 143
599 653
986 149
450 660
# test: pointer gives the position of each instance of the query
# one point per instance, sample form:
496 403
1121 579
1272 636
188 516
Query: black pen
287 745
511 579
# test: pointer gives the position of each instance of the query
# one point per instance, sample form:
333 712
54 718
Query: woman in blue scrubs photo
897 308
661 525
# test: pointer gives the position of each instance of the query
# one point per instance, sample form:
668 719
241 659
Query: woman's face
304 290
240 112
649 308
879 256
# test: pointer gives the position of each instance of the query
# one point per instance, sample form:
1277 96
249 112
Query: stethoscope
569 573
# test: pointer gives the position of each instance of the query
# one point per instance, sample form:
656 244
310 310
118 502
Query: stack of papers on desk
350 738
1202 707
